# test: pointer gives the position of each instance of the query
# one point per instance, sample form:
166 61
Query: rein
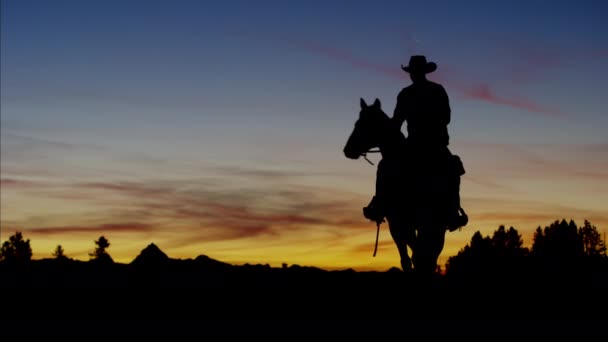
364 154
377 234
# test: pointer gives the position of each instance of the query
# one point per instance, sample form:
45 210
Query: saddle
449 170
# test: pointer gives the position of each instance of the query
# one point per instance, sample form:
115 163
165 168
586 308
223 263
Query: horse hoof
406 265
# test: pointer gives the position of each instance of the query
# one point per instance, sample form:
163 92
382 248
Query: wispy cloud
600 53
206 210
532 161
55 91
509 210
18 183
36 142
126 227
130 189
346 57
481 92
383 245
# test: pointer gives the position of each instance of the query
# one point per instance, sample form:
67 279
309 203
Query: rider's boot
457 220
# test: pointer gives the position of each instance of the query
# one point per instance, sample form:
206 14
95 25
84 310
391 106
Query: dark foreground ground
206 299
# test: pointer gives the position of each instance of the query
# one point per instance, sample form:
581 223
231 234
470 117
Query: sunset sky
217 127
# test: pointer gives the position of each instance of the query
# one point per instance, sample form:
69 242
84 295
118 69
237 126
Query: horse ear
377 103
362 102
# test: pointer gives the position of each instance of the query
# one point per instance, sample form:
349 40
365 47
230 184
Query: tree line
558 243
17 249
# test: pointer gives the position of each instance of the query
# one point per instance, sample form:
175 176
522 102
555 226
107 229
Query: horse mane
376 112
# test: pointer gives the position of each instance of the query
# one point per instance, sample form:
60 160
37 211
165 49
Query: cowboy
425 106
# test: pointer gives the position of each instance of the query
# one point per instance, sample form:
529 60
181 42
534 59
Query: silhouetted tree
59 253
480 246
515 243
593 244
499 240
507 243
473 258
100 254
538 242
559 240
501 253
16 249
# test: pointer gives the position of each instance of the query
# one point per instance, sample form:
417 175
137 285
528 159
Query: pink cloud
348 58
17 183
483 92
534 59
600 53
480 92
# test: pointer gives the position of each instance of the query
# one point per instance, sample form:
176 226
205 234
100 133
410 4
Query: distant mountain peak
207 261
151 255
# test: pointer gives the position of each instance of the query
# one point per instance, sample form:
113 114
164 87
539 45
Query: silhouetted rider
425 106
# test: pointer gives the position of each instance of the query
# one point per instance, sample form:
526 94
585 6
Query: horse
412 190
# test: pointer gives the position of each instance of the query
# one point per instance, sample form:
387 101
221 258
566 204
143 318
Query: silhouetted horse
413 190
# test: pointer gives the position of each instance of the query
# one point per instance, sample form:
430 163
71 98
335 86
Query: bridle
364 155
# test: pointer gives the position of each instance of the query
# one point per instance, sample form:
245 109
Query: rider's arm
400 114
444 106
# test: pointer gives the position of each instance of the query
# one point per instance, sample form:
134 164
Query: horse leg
429 245
403 235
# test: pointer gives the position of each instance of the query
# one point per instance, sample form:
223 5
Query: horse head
368 132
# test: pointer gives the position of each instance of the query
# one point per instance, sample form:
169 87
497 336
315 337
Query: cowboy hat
418 63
